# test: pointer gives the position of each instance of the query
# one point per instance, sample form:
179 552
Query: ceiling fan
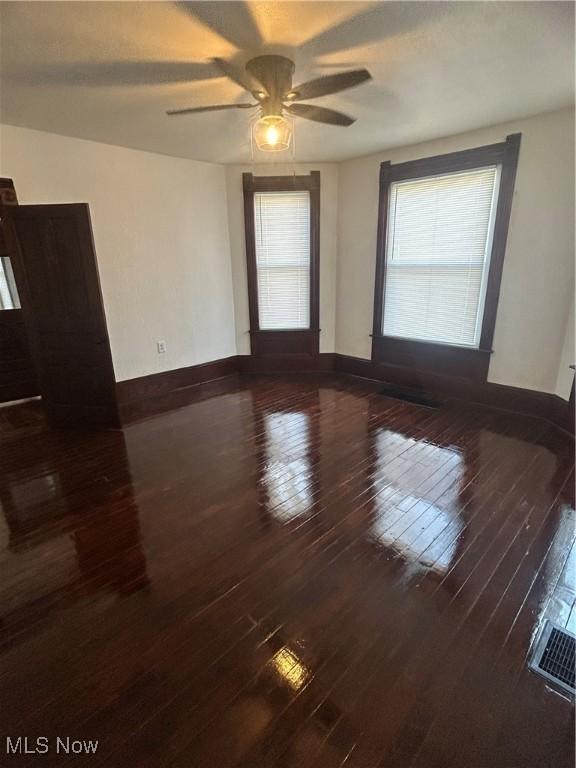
269 80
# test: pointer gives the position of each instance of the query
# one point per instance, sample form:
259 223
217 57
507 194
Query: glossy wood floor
286 572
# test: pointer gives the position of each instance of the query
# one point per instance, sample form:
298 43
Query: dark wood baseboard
437 359
161 391
525 401
157 392
270 364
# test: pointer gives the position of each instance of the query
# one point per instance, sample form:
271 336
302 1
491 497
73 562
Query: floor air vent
553 656
410 396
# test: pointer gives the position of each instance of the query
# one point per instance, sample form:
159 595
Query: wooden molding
273 364
161 391
158 392
289 341
515 399
509 164
444 358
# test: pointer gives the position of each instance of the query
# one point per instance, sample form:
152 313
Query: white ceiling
108 71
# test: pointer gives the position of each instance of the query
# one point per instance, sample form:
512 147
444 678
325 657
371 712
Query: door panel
56 268
17 375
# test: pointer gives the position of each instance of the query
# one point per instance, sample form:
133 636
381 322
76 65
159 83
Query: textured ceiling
108 71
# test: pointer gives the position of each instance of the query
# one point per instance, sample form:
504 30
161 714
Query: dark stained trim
442 358
503 211
279 364
18 377
463 160
289 341
445 387
380 280
148 394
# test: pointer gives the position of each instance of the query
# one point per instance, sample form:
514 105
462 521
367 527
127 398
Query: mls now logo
23 745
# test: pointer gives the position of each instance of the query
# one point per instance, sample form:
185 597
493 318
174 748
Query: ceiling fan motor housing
275 73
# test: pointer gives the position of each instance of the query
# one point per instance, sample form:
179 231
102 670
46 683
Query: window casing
282 227
442 229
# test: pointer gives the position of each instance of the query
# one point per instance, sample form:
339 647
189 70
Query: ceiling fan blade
320 114
322 86
239 76
213 108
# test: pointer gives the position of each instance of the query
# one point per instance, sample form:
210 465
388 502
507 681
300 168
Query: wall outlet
161 345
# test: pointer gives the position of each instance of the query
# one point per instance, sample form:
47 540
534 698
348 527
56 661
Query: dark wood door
57 274
17 375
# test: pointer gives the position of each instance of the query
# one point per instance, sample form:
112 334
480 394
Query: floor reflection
290 668
410 478
287 472
328 566
81 516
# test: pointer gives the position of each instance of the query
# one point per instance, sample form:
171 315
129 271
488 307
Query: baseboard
528 402
282 364
158 392
161 391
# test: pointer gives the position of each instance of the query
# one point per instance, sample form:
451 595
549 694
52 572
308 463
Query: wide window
442 229
437 253
282 223
282 241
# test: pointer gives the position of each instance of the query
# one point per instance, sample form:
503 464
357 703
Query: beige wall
538 280
161 234
328 244
170 270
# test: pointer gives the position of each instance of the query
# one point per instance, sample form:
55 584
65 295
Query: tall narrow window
282 221
442 229
282 240
438 253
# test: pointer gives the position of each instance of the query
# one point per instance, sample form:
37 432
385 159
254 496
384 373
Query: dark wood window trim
447 359
299 343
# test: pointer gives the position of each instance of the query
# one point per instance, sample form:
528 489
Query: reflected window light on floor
290 668
406 504
287 473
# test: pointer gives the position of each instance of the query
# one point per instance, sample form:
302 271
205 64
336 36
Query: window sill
443 359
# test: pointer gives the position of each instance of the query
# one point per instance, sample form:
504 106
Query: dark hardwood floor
286 572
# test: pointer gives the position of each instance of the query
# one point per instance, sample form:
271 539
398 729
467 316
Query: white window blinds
437 256
282 239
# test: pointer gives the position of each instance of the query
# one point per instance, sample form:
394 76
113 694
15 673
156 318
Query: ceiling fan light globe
272 133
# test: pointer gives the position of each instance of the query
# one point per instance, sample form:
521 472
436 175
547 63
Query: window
282 240
282 224
442 229
437 256
8 291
